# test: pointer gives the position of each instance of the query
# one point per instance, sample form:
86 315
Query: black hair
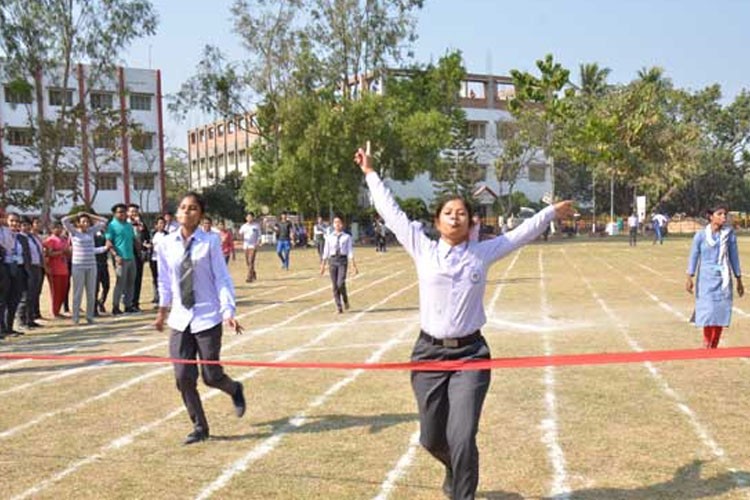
82 216
206 218
134 205
198 199
160 218
118 206
25 220
251 213
717 206
443 200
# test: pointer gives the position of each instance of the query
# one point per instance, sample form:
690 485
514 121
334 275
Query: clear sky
697 42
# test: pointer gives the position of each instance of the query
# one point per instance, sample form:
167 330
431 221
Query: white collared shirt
250 232
452 280
212 286
345 245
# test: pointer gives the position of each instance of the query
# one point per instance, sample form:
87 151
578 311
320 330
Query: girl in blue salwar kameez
715 259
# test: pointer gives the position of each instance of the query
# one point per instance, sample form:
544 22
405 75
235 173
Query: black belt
451 342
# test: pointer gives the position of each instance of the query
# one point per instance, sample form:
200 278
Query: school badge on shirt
475 275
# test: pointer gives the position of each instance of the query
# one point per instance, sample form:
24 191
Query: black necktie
186 278
338 245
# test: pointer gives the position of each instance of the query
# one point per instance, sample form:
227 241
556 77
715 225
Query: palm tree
593 79
654 75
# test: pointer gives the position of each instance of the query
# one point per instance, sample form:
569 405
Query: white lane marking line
700 430
399 470
270 443
501 286
550 432
127 439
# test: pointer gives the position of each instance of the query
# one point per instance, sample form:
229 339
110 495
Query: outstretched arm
408 233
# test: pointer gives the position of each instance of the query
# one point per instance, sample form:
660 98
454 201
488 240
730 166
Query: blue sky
697 42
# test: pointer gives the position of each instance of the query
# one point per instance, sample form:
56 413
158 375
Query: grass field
636 431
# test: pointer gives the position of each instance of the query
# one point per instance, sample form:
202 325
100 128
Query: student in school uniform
452 276
197 293
715 258
338 252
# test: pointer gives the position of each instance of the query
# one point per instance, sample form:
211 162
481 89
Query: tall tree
543 99
44 39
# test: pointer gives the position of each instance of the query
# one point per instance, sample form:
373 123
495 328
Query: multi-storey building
218 148
98 167
485 99
221 147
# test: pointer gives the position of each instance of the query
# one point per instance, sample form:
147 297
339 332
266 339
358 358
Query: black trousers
450 404
102 281
202 345
4 294
337 266
154 279
19 282
138 281
28 306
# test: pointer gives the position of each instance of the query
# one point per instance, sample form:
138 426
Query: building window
20 136
66 181
202 135
106 182
69 137
58 96
23 181
211 133
241 123
143 182
242 156
230 127
105 138
230 158
505 91
140 102
192 138
220 130
101 100
537 173
18 94
143 141
478 130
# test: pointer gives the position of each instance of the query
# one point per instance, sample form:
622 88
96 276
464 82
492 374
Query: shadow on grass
326 423
391 309
687 483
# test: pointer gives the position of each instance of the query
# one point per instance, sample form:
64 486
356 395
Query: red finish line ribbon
482 364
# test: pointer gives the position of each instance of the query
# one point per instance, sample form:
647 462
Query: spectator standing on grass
714 258
56 249
250 232
452 276
83 238
141 252
632 229
196 289
159 233
121 235
28 308
35 238
338 252
102 256
227 241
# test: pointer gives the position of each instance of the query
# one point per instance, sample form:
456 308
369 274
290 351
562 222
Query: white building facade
485 99
125 165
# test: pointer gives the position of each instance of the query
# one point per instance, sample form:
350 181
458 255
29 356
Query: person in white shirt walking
195 282
250 232
338 252
452 276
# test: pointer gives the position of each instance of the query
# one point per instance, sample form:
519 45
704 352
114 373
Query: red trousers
58 285
711 336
